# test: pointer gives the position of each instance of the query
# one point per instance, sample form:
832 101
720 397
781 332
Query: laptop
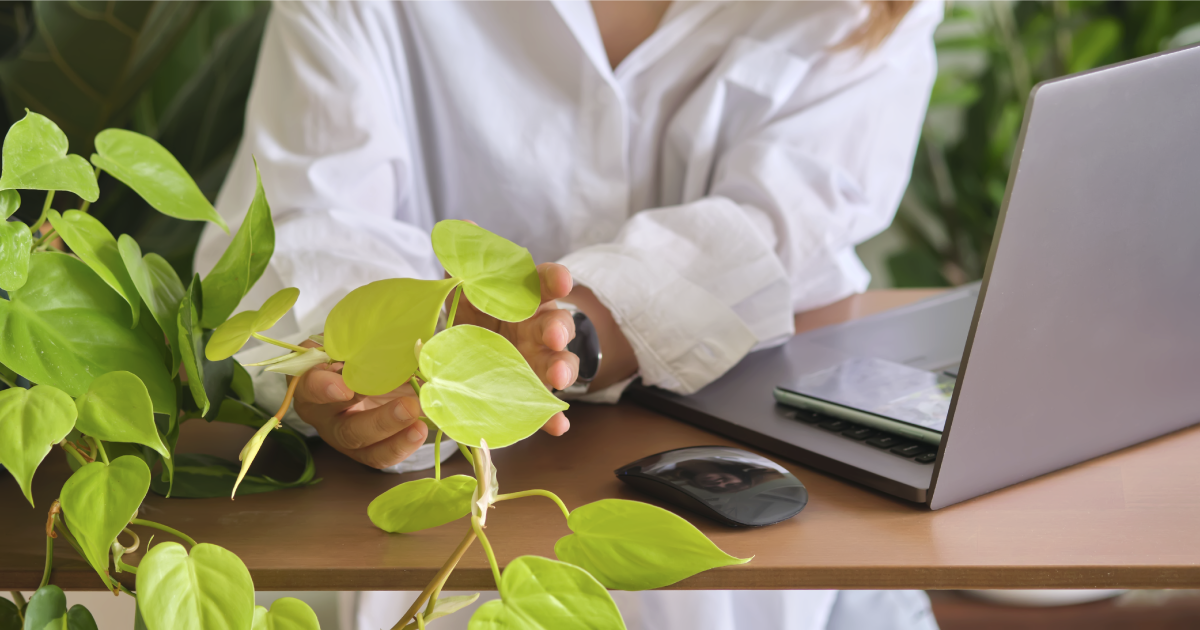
1082 338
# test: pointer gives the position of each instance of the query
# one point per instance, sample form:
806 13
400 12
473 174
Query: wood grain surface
1130 519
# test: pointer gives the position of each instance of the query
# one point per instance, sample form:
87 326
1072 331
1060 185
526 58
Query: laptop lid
1086 337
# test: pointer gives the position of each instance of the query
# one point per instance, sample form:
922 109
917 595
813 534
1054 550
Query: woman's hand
541 339
378 431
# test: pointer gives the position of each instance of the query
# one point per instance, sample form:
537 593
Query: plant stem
420 621
415 385
454 306
170 530
466 451
487 548
74 451
433 598
19 600
99 448
437 455
540 493
287 400
126 567
37 225
49 561
438 580
281 344
7 382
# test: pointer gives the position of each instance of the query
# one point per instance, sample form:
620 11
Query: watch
586 346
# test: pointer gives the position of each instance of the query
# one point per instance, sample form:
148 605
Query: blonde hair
882 18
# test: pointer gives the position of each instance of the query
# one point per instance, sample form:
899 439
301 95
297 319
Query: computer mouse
726 484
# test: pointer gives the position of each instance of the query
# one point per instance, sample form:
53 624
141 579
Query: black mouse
726 484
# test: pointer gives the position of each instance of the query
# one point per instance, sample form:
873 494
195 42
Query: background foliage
990 54
176 71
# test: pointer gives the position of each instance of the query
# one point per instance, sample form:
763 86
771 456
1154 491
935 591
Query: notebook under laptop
1082 338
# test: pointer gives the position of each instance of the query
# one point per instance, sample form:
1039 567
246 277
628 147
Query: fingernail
414 435
335 393
412 406
400 411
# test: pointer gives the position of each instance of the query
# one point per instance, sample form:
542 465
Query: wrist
619 361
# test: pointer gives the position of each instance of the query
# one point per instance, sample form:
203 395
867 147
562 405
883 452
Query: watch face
586 346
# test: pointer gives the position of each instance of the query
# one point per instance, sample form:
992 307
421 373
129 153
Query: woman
703 170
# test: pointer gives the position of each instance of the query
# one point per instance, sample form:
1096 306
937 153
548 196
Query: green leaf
80 618
242 263
153 173
542 594
416 505
15 244
47 608
446 606
10 617
199 476
32 421
634 546
159 287
117 408
498 276
287 613
95 245
35 158
210 588
99 500
374 329
190 346
10 201
65 327
242 385
480 388
230 336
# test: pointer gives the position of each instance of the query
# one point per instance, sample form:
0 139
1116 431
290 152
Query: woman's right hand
378 431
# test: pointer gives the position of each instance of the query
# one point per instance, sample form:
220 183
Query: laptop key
926 458
860 433
909 450
836 426
884 440
804 416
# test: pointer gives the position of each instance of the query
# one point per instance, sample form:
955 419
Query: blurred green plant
990 55
176 71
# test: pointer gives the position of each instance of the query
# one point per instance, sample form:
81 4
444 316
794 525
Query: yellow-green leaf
243 262
99 500
416 505
15 244
286 613
35 158
445 606
206 589
498 276
94 244
159 287
542 594
117 408
374 328
230 336
480 388
10 201
32 421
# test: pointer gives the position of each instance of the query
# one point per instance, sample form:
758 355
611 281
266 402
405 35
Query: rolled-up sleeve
696 286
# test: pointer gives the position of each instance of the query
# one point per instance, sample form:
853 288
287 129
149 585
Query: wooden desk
1131 519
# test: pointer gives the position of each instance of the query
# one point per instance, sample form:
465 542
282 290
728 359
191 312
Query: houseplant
143 352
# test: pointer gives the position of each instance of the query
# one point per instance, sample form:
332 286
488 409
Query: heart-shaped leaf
95 245
99 500
374 328
542 594
65 327
159 287
243 262
35 158
210 588
32 421
117 408
481 388
198 476
416 505
47 606
634 546
230 336
154 174
10 617
190 342
10 201
287 613
80 618
445 606
498 276
15 243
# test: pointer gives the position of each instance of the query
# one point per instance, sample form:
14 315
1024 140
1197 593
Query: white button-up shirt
706 189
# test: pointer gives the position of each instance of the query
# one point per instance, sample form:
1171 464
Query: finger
394 449
557 424
322 386
555 280
556 369
555 329
357 430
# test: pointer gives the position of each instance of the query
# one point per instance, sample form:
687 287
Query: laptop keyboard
901 447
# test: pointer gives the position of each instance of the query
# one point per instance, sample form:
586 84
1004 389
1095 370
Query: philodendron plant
106 352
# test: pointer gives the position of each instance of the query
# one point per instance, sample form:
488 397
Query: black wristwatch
586 346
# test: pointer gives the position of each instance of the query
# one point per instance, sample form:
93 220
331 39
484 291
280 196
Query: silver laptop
1083 337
